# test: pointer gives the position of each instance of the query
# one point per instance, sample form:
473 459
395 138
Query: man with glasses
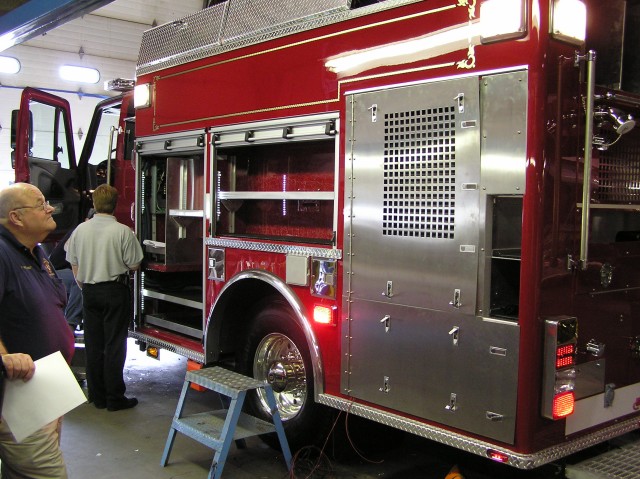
32 323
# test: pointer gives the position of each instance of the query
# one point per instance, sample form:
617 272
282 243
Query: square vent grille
419 173
618 175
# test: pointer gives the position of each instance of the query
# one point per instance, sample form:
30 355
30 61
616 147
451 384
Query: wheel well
232 315
239 302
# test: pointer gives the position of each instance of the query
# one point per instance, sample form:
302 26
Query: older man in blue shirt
32 323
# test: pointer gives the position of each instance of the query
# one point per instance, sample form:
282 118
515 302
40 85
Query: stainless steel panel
184 300
172 325
503 103
190 141
412 199
459 371
590 378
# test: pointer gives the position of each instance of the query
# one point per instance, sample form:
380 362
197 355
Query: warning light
565 356
153 352
498 456
324 314
563 404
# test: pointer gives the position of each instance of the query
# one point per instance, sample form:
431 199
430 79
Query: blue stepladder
217 429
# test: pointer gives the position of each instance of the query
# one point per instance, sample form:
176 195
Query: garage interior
106 35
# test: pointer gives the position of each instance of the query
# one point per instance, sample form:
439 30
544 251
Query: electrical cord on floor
346 428
310 462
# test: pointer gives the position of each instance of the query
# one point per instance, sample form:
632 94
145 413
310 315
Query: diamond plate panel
191 33
182 351
251 17
166 46
299 250
475 445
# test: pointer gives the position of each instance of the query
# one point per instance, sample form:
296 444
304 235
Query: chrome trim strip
476 446
298 309
299 250
150 340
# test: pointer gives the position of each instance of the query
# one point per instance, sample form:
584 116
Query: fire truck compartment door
412 191
454 370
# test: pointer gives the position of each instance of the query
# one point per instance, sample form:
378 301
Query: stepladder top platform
223 381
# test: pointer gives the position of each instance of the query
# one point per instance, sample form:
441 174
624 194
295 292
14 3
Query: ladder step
622 463
223 381
206 427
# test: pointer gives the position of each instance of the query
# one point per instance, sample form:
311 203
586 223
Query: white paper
50 393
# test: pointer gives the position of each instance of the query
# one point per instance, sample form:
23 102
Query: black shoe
125 403
98 404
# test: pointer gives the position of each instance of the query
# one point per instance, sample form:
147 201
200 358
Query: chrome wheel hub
279 362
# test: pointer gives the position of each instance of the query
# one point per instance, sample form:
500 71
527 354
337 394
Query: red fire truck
424 213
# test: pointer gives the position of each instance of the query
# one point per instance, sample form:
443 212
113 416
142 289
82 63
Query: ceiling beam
36 17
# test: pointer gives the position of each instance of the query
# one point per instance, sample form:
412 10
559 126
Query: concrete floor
98 444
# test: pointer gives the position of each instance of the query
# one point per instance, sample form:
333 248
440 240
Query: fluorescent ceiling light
7 41
79 74
9 65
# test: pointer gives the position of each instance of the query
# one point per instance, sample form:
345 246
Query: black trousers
107 309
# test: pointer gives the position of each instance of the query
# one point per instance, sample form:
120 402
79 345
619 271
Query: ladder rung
207 427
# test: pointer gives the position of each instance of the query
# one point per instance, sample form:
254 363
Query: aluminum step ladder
217 429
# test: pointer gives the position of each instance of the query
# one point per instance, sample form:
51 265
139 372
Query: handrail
590 59
112 130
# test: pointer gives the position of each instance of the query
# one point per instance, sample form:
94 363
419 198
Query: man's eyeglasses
42 206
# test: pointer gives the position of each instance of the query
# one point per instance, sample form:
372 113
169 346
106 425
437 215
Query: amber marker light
153 352
324 314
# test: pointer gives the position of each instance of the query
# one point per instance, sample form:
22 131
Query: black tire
276 351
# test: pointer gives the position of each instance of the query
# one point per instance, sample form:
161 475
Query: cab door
44 154
107 154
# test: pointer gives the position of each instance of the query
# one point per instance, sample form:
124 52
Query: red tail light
497 456
563 404
559 372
